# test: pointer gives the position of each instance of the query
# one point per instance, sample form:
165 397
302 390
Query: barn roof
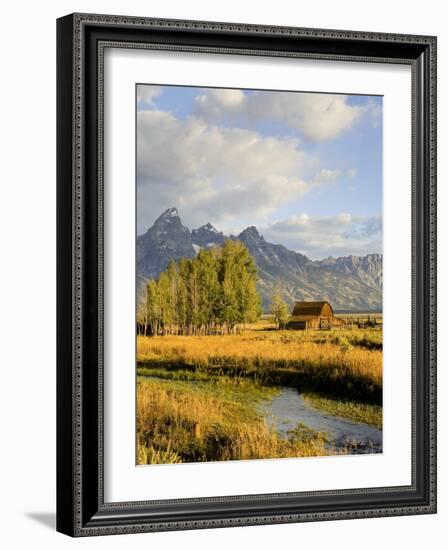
310 309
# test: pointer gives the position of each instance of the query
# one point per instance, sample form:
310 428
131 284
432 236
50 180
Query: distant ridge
349 283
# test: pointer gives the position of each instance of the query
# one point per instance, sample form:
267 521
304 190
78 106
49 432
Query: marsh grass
353 410
364 338
181 422
327 363
198 397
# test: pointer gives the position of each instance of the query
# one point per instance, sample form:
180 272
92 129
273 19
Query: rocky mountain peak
209 227
250 234
169 223
169 213
207 235
167 239
367 268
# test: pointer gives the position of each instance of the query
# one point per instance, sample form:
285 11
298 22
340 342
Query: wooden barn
316 315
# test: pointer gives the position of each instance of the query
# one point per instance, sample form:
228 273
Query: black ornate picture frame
81 508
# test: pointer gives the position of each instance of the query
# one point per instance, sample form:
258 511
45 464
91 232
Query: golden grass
277 348
177 423
202 404
335 362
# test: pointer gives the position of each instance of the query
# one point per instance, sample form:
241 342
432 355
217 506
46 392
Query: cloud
319 117
218 173
351 173
146 95
326 176
319 237
216 103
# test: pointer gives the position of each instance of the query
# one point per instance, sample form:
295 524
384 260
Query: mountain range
349 283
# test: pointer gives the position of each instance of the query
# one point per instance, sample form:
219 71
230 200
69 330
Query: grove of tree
213 293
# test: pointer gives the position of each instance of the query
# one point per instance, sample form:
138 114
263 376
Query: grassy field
343 363
356 411
181 422
198 396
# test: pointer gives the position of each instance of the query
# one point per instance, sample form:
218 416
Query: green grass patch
353 410
185 421
225 388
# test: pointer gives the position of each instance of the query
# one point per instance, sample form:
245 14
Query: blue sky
305 168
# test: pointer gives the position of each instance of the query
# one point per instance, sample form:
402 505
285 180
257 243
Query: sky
304 168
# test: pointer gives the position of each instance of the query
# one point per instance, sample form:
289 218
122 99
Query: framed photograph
246 274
